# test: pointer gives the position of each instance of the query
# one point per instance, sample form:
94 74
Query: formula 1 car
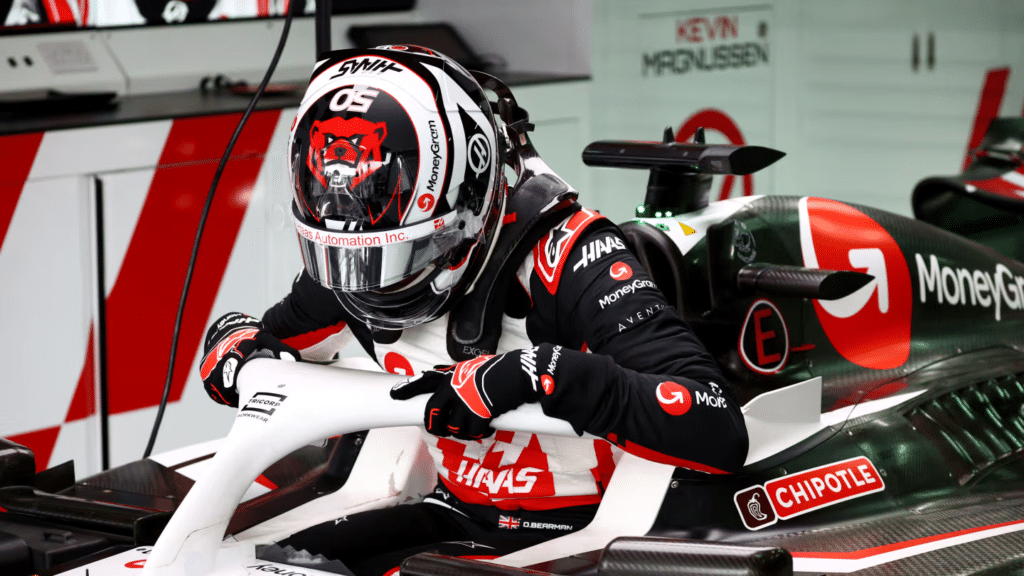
880 360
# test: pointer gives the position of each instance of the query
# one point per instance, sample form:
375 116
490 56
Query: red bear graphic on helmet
341 147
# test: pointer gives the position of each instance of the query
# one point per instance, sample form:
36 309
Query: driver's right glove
467 396
231 341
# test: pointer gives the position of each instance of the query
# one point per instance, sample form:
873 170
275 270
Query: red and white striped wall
154 177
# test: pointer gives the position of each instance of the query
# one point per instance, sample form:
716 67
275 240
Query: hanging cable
293 5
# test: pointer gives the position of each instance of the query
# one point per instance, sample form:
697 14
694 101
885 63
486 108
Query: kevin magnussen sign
686 43
795 494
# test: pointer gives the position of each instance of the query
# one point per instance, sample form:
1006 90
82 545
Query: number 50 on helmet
395 165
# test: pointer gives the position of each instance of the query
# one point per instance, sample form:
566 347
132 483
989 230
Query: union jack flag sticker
508 522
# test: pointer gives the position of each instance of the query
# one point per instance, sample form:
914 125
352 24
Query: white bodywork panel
393 468
282 410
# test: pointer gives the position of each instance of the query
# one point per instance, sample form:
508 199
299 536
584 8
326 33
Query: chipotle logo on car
755 508
823 486
795 494
870 327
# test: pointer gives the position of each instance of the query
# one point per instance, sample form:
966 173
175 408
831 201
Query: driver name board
705 41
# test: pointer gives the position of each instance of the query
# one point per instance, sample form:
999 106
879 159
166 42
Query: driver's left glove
468 395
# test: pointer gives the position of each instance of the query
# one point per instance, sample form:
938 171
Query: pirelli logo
795 494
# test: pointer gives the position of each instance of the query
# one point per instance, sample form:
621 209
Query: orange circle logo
548 383
620 271
674 398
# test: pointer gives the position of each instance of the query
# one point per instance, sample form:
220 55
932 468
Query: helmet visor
404 309
360 261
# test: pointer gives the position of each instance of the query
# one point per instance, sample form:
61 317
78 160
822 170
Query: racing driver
489 297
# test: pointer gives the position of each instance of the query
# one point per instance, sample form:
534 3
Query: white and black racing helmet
395 164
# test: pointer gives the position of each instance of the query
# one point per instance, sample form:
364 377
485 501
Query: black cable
322 27
202 223
101 329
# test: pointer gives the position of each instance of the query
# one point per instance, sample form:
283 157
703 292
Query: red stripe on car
988 107
266 482
878 550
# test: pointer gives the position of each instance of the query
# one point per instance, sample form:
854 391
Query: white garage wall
839 94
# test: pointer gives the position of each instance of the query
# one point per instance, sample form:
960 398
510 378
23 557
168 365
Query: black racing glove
468 395
231 341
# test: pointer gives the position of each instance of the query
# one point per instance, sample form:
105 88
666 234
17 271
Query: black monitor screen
440 37
47 15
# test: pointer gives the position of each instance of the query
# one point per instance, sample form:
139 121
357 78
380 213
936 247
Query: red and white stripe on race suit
513 470
320 344
509 470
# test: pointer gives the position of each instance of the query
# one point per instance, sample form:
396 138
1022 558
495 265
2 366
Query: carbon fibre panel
861 536
930 540
149 484
144 483
669 557
996 556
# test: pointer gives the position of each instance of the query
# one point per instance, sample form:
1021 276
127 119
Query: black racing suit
632 372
